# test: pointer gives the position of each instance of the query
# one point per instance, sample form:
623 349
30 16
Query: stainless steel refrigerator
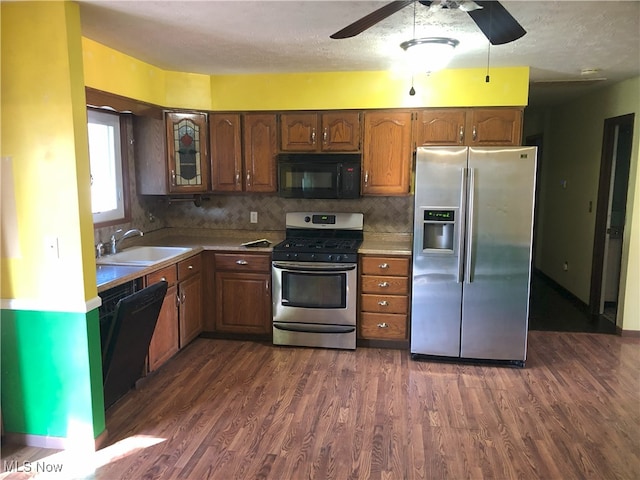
472 241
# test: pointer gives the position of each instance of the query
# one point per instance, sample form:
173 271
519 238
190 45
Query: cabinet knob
383 265
242 262
163 279
383 325
190 267
383 284
383 303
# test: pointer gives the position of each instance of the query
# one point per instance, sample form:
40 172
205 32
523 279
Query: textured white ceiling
222 37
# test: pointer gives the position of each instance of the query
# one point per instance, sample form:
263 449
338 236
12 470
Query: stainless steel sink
142 256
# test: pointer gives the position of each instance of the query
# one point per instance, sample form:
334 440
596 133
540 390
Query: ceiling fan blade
496 23
370 20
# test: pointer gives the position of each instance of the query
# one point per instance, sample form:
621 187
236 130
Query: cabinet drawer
239 262
385 266
168 274
383 326
385 285
190 266
385 303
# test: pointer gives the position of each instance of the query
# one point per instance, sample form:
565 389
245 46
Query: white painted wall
573 134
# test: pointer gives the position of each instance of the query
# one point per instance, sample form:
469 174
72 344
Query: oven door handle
311 328
314 268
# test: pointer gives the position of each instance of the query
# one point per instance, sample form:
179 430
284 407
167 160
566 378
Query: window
108 195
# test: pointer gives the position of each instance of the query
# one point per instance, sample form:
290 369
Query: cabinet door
260 149
190 292
494 126
188 162
226 152
387 153
164 343
152 177
243 302
341 132
440 127
299 132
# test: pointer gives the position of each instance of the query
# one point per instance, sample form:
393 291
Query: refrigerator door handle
470 221
461 226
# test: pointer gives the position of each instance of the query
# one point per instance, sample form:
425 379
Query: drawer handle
383 325
384 265
383 284
383 303
190 267
242 262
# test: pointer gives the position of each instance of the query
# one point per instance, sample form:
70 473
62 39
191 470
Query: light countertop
109 276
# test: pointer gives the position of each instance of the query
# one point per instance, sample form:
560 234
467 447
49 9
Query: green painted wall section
52 374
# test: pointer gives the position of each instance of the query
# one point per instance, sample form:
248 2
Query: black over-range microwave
319 175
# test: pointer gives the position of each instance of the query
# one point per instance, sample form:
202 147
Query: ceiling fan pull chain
487 78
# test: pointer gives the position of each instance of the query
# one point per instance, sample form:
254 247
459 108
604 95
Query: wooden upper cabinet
387 155
226 152
494 126
472 126
440 127
315 132
340 131
260 142
299 132
187 155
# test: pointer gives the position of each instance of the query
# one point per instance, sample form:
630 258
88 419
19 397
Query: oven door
314 293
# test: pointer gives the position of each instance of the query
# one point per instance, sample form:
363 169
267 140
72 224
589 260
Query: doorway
610 216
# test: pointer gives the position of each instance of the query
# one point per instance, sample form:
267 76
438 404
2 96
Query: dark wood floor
554 309
226 409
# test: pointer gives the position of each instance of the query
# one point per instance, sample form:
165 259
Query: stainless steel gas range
315 280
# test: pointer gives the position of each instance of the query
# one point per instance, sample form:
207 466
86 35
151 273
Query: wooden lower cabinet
384 298
243 293
180 317
190 299
164 343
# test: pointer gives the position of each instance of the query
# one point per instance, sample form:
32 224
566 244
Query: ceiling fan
491 17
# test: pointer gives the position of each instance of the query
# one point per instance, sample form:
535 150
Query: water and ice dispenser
439 229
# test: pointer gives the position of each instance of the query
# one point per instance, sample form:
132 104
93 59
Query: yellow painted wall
345 90
44 133
109 70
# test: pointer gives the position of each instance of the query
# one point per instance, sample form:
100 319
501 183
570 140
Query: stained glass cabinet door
188 160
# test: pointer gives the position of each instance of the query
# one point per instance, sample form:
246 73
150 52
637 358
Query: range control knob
338 258
307 219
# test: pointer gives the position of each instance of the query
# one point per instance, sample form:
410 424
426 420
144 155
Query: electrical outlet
52 250
254 217
565 266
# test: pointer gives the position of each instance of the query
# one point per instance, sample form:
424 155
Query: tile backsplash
381 214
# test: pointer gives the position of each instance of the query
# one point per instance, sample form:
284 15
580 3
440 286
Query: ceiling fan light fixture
430 53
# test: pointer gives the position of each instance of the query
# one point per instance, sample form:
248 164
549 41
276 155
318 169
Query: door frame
602 207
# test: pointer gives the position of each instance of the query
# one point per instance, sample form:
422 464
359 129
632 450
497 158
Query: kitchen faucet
114 242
